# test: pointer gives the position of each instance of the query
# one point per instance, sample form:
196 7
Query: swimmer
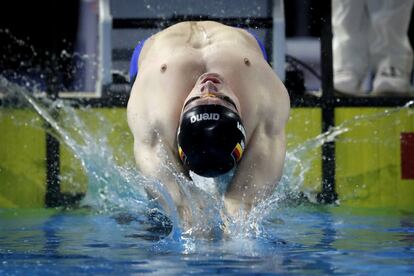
205 99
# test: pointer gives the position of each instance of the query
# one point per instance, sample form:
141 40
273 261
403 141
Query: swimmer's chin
211 101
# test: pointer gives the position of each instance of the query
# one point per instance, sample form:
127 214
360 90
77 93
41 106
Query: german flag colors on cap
237 152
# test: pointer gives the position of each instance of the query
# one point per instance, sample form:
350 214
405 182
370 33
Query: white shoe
392 82
348 83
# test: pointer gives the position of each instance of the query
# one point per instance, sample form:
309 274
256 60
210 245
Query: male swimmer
205 99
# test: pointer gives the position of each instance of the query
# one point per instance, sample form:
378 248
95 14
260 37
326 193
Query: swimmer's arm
150 164
258 173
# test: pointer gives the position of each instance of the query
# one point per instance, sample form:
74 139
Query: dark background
51 26
36 32
32 37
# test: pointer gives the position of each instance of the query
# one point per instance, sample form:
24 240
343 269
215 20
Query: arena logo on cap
241 128
204 117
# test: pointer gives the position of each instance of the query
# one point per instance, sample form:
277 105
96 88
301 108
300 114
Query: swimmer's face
210 88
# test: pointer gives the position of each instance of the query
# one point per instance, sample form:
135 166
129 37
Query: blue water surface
302 240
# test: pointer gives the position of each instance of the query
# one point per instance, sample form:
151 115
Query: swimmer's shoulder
206 24
174 33
179 29
185 27
160 40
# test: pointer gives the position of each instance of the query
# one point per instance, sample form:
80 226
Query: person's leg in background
390 46
350 25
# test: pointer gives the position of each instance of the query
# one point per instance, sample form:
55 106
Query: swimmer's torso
171 62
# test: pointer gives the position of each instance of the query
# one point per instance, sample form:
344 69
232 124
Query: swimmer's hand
235 208
233 213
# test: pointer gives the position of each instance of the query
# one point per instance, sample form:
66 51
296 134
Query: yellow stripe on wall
367 170
368 158
22 159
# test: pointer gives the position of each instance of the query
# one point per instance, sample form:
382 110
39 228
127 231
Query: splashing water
92 151
113 188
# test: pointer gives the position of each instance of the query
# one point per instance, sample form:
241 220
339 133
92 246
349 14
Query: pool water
304 239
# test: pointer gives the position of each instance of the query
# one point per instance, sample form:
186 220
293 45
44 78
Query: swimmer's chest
199 47
208 58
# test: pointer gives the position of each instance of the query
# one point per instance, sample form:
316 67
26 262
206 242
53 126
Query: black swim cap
211 139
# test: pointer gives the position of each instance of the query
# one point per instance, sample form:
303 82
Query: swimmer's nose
209 86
